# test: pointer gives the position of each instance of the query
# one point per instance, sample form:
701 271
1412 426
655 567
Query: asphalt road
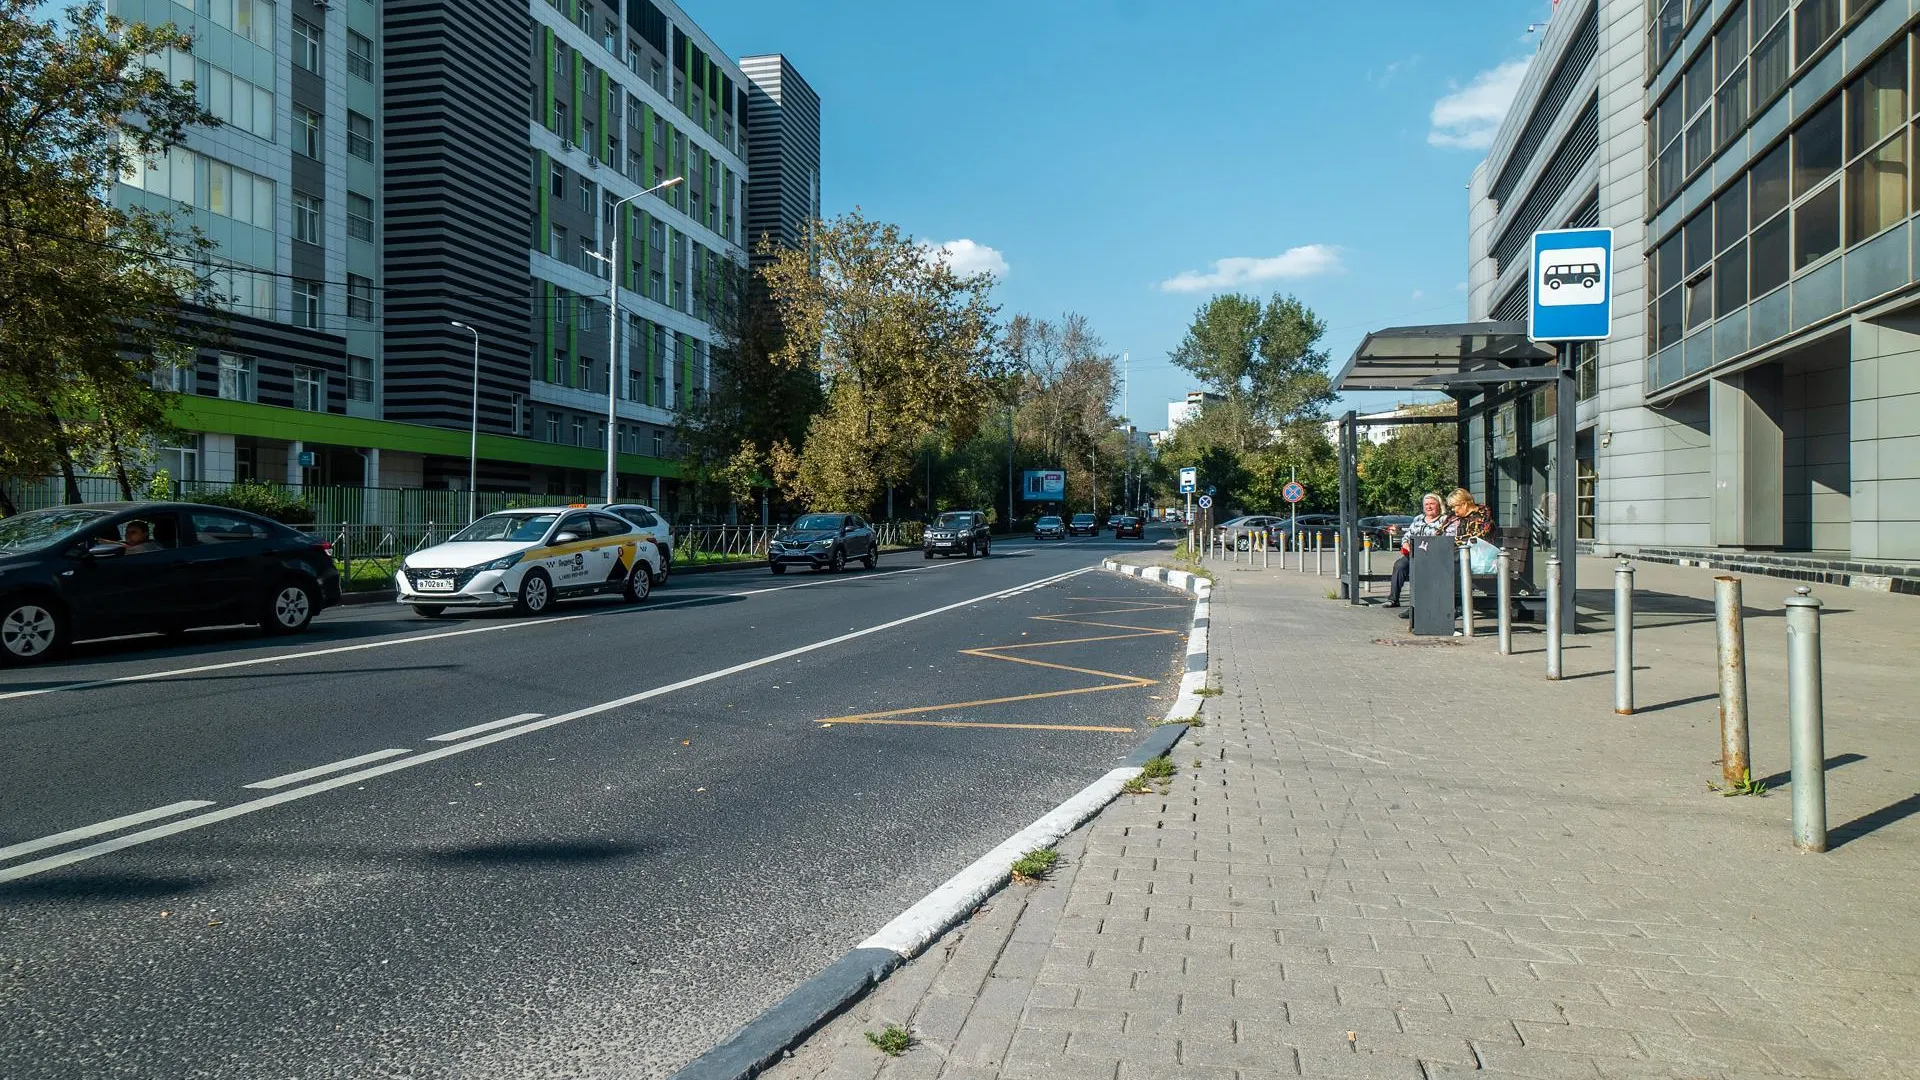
677 812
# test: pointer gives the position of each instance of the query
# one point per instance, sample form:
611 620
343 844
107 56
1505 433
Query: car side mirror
566 538
104 550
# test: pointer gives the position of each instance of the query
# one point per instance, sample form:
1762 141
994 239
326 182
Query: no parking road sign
1206 502
1294 491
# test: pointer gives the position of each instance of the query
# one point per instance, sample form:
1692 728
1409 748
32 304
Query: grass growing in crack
892 1040
1035 865
1208 691
1160 768
1136 786
1747 786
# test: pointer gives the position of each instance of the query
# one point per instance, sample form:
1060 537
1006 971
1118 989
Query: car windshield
41 528
1082 517
525 528
1049 521
954 520
818 523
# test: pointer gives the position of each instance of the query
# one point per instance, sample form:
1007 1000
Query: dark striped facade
783 152
457 216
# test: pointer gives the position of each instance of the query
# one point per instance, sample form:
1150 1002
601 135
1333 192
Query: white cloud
967 257
1310 260
1387 74
1467 118
1419 294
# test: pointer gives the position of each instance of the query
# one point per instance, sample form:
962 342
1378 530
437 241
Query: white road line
321 770
456 736
411 639
27 847
212 817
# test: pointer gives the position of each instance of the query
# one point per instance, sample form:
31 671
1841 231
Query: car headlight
505 562
826 543
776 546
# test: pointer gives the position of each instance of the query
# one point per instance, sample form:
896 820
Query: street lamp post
612 259
473 429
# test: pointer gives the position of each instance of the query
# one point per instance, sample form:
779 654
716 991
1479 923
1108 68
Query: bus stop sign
1571 285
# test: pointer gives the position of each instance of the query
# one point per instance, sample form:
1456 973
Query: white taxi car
530 558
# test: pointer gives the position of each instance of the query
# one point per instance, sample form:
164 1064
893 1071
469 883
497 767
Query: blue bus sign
1571 285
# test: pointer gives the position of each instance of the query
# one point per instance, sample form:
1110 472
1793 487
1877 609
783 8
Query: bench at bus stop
1435 582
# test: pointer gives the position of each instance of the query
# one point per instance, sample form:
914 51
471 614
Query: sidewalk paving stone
1429 862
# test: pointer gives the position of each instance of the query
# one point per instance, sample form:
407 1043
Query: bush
264 499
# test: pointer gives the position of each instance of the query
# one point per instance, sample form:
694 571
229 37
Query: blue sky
1105 148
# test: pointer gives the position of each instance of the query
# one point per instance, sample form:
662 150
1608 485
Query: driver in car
139 538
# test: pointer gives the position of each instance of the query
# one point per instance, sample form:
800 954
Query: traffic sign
1571 285
1211 490
306 459
1206 502
1294 491
1189 479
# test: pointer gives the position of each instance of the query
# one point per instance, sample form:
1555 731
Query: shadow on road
102 887
537 852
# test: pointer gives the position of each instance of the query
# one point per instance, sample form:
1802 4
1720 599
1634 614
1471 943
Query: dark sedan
1129 526
112 569
824 542
1083 525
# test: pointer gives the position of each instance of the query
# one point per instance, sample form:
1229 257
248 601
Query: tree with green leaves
1416 459
905 347
1265 360
92 294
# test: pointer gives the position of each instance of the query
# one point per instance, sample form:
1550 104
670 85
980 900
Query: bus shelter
1514 426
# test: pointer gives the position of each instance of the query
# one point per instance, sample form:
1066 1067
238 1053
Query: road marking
977 723
411 639
27 847
267 802
455 736
1116 681
322 770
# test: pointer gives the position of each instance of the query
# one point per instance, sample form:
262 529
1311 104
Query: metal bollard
1503 566
1553 618
1319 555
1623 637
1339 568
1366 569
1805 723
1266 550
1466 592
1731 637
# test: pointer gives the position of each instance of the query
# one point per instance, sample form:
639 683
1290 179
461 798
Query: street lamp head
675 182
463 326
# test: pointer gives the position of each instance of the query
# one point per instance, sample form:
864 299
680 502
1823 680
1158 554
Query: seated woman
1427 524
1466 520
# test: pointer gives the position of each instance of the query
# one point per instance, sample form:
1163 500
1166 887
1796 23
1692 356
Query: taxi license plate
435 585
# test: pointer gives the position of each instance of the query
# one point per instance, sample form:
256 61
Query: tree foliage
1265 360
91 293
905 347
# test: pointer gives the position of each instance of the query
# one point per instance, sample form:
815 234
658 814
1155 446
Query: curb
765 1039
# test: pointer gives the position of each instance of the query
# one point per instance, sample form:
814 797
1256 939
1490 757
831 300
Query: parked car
1312 527
1083 525
1240 532
1050 528
955 532
648 521
530 558
1129 526
108 569
1384 529
824 542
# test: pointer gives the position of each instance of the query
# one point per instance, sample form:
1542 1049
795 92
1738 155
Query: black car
824 542
957 532
110 569
1083 525
1129 526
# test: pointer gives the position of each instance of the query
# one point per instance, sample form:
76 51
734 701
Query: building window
359 297
306 303
359 217
657 77
359 378
659 443
584 196
360 136
557 242
1877 147
1815 23
1586 492
359 56
563 122
553 427
306 217
557 181
180 463
308 133
307 40
236 377
579 431
309 389
517 413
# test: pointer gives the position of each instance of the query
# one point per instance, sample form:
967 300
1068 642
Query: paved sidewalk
1424 861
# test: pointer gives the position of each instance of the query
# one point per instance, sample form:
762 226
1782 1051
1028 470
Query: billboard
1043 485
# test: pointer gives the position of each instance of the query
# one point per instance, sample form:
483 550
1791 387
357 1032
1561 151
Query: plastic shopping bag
1482 557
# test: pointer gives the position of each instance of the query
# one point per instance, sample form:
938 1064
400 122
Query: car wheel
666 568
872 557
839 564
30 631
429 611
1242 544
929 554
777 568
639 584
289 608
986 548
536 594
